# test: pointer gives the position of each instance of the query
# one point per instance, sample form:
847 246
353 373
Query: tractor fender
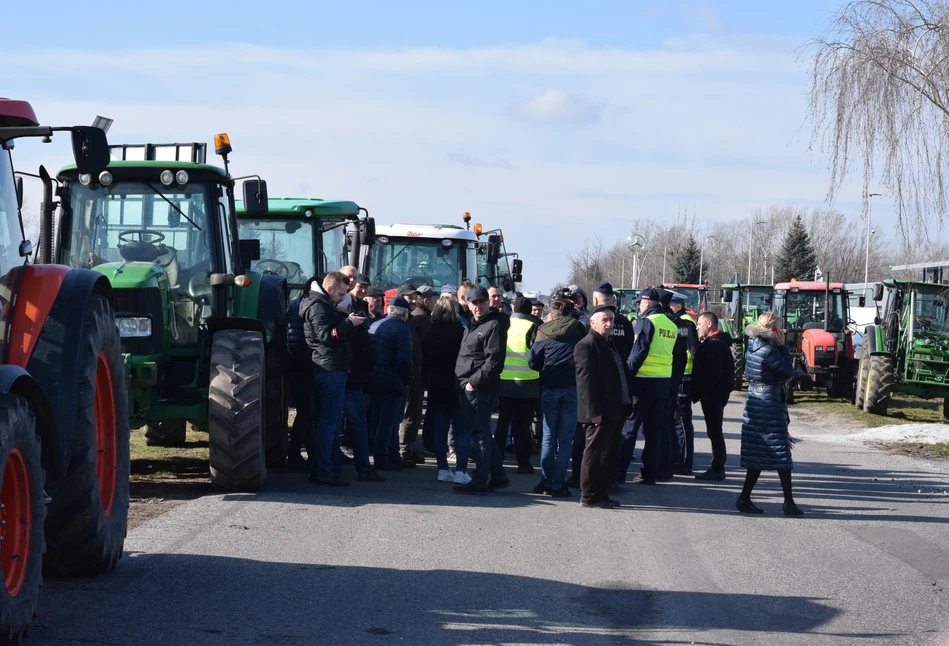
812 339
272 305
54 360
15 380
217 323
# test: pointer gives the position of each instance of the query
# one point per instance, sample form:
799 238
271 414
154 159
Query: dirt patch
153 496
938 451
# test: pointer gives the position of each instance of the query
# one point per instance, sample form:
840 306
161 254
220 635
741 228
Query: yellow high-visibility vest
515 359
688 353
658 363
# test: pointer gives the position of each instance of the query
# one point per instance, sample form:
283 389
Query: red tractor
815 317
696 296
64 434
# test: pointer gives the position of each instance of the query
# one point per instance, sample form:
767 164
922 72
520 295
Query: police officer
622 336
669 441
685 431
650 365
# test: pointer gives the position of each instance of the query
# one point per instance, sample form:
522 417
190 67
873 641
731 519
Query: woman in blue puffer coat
765 443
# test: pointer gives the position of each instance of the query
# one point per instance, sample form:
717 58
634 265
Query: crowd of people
570 379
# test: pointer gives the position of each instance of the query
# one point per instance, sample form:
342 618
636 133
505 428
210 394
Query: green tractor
907 350
202 335
743 305
302 238
625 304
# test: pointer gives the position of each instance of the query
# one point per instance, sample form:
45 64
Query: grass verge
903 409
939 450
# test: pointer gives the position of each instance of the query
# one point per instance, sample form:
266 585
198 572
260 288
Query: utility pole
751 240
702 258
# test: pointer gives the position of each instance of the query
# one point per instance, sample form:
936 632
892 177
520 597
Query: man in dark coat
375 300
420 320
683 445
622 335
478 371
713 376
389 383
327 333
603 402
354 403
668 439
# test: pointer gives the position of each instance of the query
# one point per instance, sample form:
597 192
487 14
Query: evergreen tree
797 258
687 265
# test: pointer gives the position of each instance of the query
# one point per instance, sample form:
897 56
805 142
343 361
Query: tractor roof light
167 177
222 144
446 243
382 239
181 177
85 179
466 217
105 178
478 229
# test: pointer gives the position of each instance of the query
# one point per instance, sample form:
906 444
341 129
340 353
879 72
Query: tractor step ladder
195 152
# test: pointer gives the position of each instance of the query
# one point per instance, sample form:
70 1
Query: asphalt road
407 561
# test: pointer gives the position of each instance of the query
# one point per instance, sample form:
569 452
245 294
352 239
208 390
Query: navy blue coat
764 426
393 370
552 352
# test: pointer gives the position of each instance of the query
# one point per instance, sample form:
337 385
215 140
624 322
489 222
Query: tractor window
286 247
929 312
138 221
9 217
804 310
333 244
424 260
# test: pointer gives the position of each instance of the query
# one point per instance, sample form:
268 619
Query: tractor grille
824 358
141 302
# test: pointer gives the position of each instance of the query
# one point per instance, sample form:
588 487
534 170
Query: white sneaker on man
445 475
462 478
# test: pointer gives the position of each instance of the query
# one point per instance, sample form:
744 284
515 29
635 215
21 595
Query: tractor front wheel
22 514
879 386
236 422
88 517
738 355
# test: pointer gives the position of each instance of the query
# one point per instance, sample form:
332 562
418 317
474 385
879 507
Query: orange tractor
815 317
64 434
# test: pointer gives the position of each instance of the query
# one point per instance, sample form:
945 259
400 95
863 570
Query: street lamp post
702 258
866 264
635 243
665 252
751 240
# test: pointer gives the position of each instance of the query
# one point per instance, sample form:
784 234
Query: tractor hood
133 274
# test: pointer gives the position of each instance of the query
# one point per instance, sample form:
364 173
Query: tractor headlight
167 177
181 177
105 178
134 326
85 179
819 348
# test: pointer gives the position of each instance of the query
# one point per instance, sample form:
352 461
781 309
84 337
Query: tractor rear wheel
23 512
738 354
945 409
879 386
236 423
166 433
863 371
88 517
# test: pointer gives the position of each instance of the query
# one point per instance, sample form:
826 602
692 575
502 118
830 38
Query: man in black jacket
478 370
327 333
354 402
603 402
622 335
389 383
712 378
420 320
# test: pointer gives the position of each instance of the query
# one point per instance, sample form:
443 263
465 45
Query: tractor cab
421 254
696 296
305 238
625 302
743 305
493 265
815 317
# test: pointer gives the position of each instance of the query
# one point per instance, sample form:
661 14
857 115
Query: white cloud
554 107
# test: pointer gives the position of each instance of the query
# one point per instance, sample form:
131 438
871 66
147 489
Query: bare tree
879 97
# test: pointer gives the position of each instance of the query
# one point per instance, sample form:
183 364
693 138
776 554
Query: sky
555 121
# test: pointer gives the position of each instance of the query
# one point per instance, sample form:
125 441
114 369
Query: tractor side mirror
19 192
90 149
492 253
862 301
728 296
878 292
250 251
507 284
367 232
517 270
255 196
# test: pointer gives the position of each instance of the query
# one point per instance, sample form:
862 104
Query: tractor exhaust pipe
44 254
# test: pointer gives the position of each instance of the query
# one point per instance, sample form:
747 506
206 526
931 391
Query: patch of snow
921 433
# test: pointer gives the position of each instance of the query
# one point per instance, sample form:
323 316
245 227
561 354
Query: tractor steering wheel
418 281
145 249
144 236
282 268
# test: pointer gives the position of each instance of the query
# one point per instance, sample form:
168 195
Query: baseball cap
399 301
449 289
363 279
648 294
478 294
604 287
426 290
373 292
406 288
665 297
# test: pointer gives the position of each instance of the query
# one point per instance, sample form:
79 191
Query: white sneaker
462 478
444 475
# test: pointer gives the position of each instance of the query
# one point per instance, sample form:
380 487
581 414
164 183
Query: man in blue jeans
552 356
327 332
389 383
478 370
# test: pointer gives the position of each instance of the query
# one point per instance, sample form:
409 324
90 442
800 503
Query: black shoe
347 459
573 482
682 472
334 482
297 465
747 507
542 489
402 462
643 481
560 493
370 476
414 458
612 501
494 485
711 475
665 477
470 489
599 504
790 509
388 466
525 469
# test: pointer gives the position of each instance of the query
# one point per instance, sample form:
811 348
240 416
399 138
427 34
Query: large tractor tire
169 433
23 513
945 409
88 516
863 370
278 434
879 386
738 355
236 420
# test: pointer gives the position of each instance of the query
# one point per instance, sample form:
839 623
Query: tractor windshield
498 275
803 310
289 247
625 300
9 218
138 221
754 302
694 298
929 312
419 260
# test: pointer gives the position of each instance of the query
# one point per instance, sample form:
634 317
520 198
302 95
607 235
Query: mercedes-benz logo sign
635 242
